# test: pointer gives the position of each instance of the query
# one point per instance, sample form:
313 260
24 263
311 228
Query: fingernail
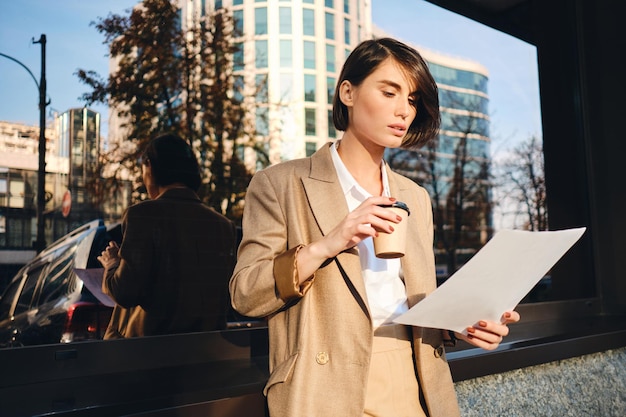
471 330
391 227
392 198
399 218
507 315
482 323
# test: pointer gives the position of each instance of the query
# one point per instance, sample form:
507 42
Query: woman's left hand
488 334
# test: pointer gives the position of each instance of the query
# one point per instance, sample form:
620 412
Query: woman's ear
346 91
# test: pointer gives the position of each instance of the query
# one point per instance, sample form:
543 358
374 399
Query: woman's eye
388 94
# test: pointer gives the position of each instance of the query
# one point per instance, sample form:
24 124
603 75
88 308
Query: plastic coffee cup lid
398 204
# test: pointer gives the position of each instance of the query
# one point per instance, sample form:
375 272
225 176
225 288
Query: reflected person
170 273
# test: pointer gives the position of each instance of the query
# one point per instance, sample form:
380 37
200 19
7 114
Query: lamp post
40 243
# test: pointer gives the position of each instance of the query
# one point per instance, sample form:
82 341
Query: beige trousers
392 388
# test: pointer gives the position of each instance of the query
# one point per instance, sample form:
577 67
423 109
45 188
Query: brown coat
321 339
176 258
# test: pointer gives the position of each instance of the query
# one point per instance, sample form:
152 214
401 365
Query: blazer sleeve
129 282
265 276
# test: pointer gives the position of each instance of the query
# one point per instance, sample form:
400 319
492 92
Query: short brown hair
364 60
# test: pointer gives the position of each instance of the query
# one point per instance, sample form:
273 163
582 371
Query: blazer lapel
329 207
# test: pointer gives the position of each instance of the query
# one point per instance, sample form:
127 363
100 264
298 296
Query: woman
306 260
171 273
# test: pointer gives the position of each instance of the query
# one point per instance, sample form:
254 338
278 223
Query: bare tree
522 185
457 178
181 81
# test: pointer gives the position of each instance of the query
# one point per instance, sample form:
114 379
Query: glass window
309 55
260 51
260 21
308 22
310 148
309 87
346 30
286 86
238 62
262 95
308 1
286 55
330 89
332 132
309 122
330 26
329 3
262 121
284 16
238 17
59 278
330 58
238 88
237 2
346 6
218 4
26 297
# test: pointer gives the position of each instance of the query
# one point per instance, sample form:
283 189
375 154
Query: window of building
262 95
260 51
330 58
310 124
332 132
310 148
308 22
309 87
309 55
330 26
346 30
286 55
262 121
308 1
238 62
346 6
329 3
238 17
330 89
284 17
237 2
260 21
286 87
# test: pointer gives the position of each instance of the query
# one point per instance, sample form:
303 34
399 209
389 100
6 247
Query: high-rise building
297 48
79 141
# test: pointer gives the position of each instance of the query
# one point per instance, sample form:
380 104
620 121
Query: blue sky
72 43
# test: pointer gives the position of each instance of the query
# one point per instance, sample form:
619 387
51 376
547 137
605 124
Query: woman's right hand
110 257
363 222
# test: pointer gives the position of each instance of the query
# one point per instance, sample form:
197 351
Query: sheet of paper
92 278
493 281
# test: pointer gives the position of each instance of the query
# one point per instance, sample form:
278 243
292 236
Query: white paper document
493 281
92 278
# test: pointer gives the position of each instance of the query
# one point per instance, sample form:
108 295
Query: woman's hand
361 223
488 334
110 257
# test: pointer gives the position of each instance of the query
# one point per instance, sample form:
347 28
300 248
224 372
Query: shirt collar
347 181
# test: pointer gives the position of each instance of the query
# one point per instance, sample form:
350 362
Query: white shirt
386 294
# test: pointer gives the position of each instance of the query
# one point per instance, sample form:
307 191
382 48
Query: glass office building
296 48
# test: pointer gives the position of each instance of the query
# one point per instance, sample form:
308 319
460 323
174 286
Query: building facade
72 151
297 49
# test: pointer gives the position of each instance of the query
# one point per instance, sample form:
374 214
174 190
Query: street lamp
40 243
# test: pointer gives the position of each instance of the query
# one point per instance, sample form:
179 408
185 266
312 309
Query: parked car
47 303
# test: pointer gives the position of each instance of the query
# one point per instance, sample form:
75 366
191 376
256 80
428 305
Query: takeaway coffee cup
392 245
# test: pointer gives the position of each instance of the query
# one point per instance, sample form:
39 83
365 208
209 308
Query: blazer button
439 351
321 358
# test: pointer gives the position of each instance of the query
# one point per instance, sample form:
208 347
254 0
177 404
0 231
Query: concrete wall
592 385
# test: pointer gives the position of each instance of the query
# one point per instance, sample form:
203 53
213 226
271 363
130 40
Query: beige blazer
321 337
